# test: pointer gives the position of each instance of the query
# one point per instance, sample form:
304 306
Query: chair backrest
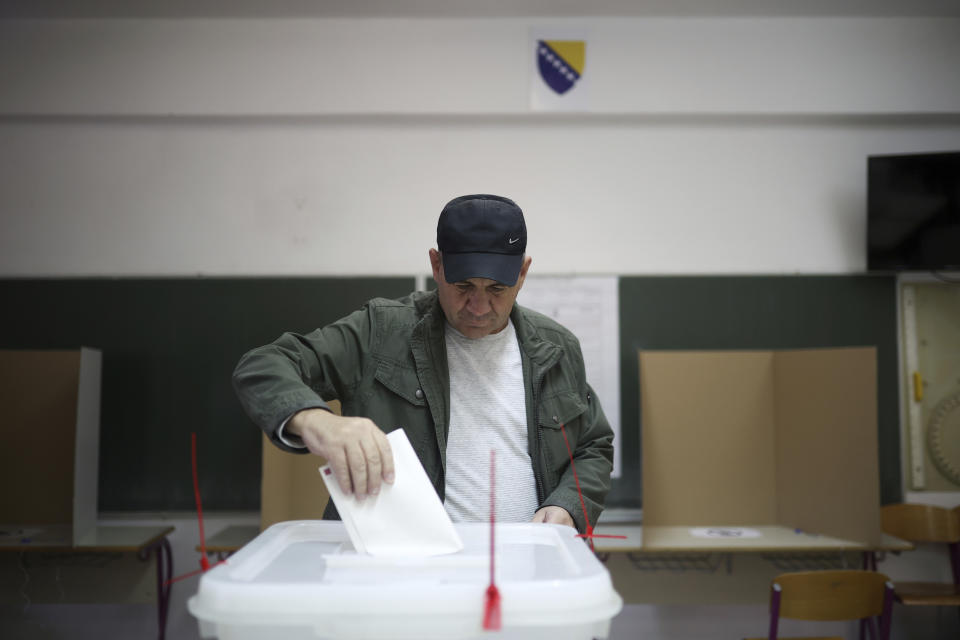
920 522
831 595
955 550
290 485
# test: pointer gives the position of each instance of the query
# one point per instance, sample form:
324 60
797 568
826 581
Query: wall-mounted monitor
913 212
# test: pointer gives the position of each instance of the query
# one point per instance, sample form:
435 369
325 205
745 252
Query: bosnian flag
557 81
560 63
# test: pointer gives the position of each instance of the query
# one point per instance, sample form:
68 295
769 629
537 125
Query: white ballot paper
405 519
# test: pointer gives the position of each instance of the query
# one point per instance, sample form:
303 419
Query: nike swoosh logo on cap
512 240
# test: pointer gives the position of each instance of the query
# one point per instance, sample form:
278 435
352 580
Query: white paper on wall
589 307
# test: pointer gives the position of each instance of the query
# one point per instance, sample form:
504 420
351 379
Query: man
462 370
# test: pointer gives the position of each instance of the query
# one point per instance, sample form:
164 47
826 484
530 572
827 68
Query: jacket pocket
397 401
562 408
401 381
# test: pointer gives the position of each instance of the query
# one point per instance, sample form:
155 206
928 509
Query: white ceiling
468 8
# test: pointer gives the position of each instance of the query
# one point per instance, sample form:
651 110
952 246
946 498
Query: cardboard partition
828 474
752 438
290 486
50 425
86 470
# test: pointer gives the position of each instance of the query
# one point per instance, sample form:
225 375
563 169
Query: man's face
479 306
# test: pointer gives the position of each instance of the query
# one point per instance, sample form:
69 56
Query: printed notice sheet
589 307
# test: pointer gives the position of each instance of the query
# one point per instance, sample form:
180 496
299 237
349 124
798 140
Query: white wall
328 147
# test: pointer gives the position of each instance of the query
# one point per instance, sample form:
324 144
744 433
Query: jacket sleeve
297 372
593 458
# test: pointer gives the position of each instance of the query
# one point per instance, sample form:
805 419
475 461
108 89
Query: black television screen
913 212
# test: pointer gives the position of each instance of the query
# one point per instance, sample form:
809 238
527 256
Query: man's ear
436 263
523 271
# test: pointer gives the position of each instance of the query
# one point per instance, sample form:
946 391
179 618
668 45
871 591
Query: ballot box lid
303 579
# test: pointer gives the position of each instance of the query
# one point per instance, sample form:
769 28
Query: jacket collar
540 349
430 315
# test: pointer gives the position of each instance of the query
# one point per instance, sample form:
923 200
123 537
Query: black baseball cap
482 236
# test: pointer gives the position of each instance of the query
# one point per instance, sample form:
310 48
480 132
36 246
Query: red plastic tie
589 535
204 562
491 610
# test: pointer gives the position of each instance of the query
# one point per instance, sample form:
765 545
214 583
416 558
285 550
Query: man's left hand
553 514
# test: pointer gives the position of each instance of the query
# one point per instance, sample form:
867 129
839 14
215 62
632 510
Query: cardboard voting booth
303 580
290 487
51 422
747 438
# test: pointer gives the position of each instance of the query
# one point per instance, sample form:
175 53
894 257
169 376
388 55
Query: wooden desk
142 540
658 539
772 539
230 539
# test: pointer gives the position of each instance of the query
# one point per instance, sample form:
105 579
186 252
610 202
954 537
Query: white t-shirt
488 410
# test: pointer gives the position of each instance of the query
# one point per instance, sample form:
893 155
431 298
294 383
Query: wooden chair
832 596
926 523
956 554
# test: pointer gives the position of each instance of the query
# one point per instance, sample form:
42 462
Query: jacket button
419 394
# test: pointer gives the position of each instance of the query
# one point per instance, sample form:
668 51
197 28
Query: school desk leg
164 555
869 564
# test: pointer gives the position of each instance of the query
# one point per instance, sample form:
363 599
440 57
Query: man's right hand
355 448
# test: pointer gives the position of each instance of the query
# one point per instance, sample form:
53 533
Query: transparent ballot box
303 579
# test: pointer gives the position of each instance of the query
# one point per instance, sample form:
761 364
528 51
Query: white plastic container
303 580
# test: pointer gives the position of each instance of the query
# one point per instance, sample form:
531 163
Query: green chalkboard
169 347
758 312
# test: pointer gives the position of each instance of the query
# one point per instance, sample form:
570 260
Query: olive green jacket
388 362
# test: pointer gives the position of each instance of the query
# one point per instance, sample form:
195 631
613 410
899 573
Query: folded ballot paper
405 519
